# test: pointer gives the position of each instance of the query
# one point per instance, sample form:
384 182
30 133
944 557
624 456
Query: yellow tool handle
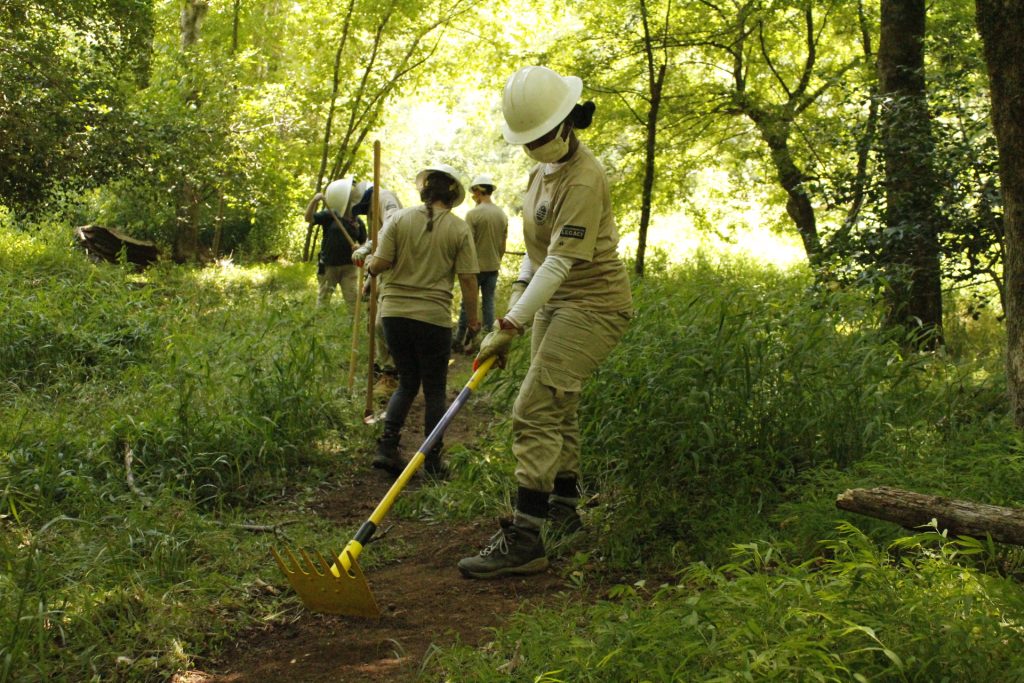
354 547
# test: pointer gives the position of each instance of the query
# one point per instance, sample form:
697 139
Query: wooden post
914 510
355 334
375 221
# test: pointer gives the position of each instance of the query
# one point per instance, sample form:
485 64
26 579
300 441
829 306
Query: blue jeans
488 283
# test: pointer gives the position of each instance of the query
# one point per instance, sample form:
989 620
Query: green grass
224 388
859 614
147 418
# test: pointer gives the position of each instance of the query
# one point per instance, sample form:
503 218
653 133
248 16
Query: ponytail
438 187
582 115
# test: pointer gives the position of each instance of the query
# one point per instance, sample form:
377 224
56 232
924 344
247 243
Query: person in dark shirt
341 234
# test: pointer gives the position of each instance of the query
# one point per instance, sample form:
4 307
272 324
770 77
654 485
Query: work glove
359 255
497 344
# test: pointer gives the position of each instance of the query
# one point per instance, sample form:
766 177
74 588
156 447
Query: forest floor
424 600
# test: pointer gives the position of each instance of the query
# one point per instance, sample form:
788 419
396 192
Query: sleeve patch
573 231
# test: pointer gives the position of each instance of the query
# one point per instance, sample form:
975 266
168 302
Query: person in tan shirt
490 233
576 291
422 249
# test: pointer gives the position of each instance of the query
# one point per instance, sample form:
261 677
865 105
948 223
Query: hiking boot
387 457
513 550
433 465
563 518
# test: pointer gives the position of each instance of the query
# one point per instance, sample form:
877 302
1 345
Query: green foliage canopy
67 70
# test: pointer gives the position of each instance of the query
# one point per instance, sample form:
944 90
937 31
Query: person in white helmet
576 290
422 249
340 232
388 204
388 201
490 233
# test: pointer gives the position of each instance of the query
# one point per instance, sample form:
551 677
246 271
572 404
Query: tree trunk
336 81
186 240
910 251
656 82
915 510
999 23
235 12
775 132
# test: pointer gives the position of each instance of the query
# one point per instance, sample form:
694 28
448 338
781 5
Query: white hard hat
536 99
361 187
338 194
421 179
482 179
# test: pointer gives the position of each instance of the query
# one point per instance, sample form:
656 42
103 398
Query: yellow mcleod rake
341 588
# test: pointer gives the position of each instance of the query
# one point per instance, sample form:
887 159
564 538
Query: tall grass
733 382
136 412
740 403
856 616
143 416
737 388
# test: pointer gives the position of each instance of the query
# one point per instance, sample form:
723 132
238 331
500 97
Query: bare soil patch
424 600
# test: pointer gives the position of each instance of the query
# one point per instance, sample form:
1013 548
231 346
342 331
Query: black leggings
420 352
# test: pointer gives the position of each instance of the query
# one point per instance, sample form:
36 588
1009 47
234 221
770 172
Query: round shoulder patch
541 213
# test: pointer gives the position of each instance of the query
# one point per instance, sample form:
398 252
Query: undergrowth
909 612
145 419
150 421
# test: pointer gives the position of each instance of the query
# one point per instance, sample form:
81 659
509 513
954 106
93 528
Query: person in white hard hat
576 290
423 248
340 232
388 203
490 232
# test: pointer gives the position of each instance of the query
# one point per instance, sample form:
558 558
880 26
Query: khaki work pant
334 276
567 346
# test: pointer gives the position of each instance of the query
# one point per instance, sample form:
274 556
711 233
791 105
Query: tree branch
805 77
768 60
864 144
807 100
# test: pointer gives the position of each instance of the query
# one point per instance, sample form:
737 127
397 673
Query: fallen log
957 517
106 244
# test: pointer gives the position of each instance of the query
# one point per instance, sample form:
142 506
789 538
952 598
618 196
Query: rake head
327 588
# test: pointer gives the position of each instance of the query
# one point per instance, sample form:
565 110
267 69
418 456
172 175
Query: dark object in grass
106 244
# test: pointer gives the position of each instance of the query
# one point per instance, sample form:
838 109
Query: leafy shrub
732 382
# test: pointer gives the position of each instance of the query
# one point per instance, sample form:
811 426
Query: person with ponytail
575 291
423 248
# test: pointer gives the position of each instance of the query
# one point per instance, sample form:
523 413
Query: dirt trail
424 599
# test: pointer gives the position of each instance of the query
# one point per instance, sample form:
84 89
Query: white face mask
552 150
